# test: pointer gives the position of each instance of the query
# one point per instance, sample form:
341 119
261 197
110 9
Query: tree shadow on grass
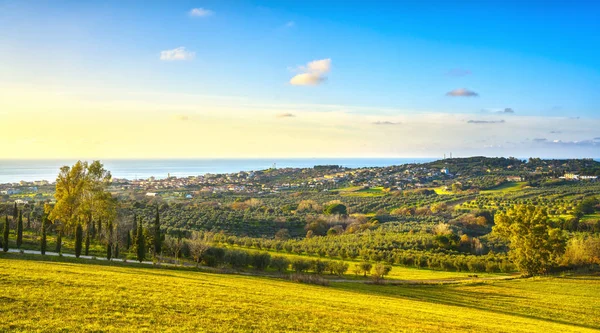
493 302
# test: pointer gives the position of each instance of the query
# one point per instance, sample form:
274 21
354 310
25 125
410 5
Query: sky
252 79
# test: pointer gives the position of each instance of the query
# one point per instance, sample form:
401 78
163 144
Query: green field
66 295
358 191
506 187
591 217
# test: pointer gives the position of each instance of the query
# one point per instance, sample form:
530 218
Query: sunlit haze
113 79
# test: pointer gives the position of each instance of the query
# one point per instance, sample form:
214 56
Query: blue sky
394 60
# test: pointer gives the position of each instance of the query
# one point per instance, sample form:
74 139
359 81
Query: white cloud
201 12
462 92
313 73
179 53
290 24
486 121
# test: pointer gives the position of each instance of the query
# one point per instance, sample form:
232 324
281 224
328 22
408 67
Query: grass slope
41 295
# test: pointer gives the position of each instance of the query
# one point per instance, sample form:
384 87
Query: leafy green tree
300 265
282 234
5 235
260 261
319 266
20 230
280 263
335 209
587 206
81 193
535 246
68 193
340 268
78 240
365 267
380 270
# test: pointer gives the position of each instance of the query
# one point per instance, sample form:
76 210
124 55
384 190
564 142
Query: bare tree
199 244
174 245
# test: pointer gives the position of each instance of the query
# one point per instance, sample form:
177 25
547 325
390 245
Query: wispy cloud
386 123
462 92
458 72
540 140
486 121
201 12
499 110
312 74
285 115
581 143
290 24
179 53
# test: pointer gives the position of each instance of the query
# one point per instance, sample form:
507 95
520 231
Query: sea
14 171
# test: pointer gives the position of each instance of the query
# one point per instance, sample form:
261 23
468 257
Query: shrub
260 261
300 265
279 263
310 279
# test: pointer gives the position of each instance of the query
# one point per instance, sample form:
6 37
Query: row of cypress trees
17 216
137 232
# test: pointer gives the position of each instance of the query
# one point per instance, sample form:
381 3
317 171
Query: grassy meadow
43 294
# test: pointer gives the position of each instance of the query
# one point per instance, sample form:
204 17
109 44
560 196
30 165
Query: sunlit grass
53 296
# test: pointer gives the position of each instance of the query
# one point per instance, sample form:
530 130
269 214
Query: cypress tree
141 251
109 245
92 228
157 239
29 220
5 235
87 240
15 212
109 251
134 230
128 241
59 241
78 240
99 230
20 230
43 240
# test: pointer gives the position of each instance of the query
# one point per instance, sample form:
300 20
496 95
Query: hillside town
476 172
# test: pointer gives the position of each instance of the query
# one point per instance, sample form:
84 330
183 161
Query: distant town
444 173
